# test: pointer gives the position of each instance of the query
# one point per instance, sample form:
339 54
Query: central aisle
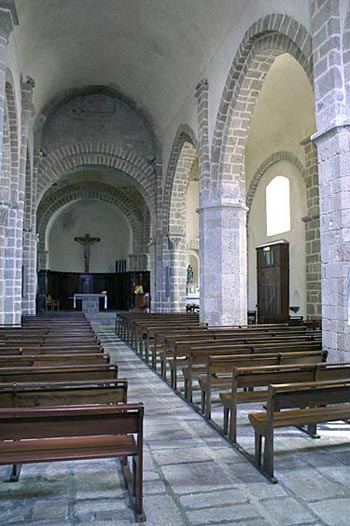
193 477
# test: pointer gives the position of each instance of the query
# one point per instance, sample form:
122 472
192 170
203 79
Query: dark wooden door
273 283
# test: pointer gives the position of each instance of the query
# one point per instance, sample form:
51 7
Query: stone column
3 222
8 19
222 239
178 272
152 269
331 47
312 234
14 268
26 188
156 254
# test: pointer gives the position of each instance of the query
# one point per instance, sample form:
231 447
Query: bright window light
277 206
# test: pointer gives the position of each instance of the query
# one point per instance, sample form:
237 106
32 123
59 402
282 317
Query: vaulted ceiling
153 51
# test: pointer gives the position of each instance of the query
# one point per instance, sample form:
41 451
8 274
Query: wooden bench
58 373
180 357
42 394
47 349
197 360
53 434
249 378
39 360
180 345
219 369
297 404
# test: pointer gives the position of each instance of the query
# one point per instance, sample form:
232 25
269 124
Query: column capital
175 239
8 18
28 84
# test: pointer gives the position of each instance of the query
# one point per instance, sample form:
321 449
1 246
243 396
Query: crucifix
86 242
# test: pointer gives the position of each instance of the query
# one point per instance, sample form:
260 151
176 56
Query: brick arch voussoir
67 159
185 135
265 165
102 192
274 30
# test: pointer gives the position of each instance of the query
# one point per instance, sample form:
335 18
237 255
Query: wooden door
273 283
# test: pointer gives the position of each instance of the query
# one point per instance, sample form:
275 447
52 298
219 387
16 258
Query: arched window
277 206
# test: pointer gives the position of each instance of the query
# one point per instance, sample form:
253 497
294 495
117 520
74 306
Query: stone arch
13 139
181 156
69 158
272 159
54 200
6 159
181 159
266 39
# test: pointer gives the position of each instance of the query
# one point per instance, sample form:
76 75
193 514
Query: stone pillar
223 295
14 268
222 239
3 222
26 200
156 254
178 272
331 46
33 246
8 19
312 234
152 268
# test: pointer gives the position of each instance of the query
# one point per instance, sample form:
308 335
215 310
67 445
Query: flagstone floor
192 476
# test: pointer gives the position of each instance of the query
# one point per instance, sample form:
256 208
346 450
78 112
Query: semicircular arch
264 41
181 158
265 165
70 158
90 190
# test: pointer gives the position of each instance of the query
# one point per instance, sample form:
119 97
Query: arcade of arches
168 147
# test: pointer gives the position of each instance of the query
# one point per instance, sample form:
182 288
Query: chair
52 304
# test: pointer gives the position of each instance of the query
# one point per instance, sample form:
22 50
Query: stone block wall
101 115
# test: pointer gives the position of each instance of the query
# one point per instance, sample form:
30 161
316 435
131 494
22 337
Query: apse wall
97 219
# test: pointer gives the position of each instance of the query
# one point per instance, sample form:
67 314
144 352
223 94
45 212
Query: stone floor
192 476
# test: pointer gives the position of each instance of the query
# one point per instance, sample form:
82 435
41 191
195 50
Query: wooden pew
199 353
297 404
53 434
178 345
49 349
251 377
195 359
129 320
43 394
58 373
49 360
219 369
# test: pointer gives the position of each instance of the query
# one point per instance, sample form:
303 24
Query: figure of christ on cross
87 241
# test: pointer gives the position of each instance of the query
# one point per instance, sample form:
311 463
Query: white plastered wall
97 219
295 237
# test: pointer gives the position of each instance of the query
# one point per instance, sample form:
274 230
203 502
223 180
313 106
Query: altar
90 302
